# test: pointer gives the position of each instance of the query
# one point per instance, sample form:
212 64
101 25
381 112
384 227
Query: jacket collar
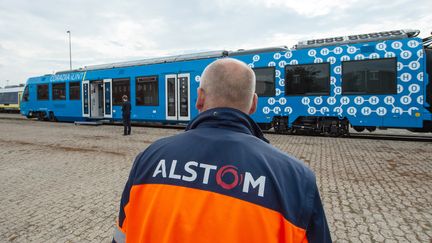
227 118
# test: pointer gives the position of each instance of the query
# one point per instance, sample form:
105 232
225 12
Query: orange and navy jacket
220 181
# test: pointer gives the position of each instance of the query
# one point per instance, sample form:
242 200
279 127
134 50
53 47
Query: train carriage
10 97
323 86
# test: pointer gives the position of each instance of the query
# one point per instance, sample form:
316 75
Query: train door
96 99
177 97
107 97
85 98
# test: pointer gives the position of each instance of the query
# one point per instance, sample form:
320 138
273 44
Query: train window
9 98
307 79
120 87
377 76
59 91
42 92
74 91
26 94
265 81
147 92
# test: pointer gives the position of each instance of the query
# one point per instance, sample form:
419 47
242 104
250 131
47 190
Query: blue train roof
176 58
341 40
332 41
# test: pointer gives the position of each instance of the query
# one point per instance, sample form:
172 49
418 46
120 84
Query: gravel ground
62 183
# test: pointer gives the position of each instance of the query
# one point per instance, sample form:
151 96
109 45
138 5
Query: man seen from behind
220 180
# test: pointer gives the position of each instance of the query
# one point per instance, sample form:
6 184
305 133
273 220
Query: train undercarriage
311 125
42 115
303 125
326 126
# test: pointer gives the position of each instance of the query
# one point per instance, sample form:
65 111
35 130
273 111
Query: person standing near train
221 180
126 112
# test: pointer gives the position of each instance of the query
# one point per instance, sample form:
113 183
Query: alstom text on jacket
226 176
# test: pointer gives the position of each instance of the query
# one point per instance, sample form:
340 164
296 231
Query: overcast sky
33 38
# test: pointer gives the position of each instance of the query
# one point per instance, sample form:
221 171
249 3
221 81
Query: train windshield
26 94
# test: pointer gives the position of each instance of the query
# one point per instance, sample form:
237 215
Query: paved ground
62 183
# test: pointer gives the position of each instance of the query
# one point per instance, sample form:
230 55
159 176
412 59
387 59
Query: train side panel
10 98
402 108
154 113
403 104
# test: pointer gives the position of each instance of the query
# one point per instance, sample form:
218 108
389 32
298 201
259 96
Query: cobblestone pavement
62 183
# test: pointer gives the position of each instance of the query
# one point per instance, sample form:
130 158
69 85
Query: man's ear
200 100
254 104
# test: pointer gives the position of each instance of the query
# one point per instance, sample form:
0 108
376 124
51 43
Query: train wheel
51 117
40 116
371 129
359 129
277 130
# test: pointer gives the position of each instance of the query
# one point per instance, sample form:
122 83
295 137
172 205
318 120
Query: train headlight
417 114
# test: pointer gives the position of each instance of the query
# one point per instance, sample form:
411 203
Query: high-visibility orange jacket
220 181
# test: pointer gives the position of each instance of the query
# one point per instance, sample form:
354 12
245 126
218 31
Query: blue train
369 81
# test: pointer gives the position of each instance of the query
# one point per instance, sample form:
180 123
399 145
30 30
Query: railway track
376 136
394 137
11 116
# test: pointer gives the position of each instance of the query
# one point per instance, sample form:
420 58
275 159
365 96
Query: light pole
70 50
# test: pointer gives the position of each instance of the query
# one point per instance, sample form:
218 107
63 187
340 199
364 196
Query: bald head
227 82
